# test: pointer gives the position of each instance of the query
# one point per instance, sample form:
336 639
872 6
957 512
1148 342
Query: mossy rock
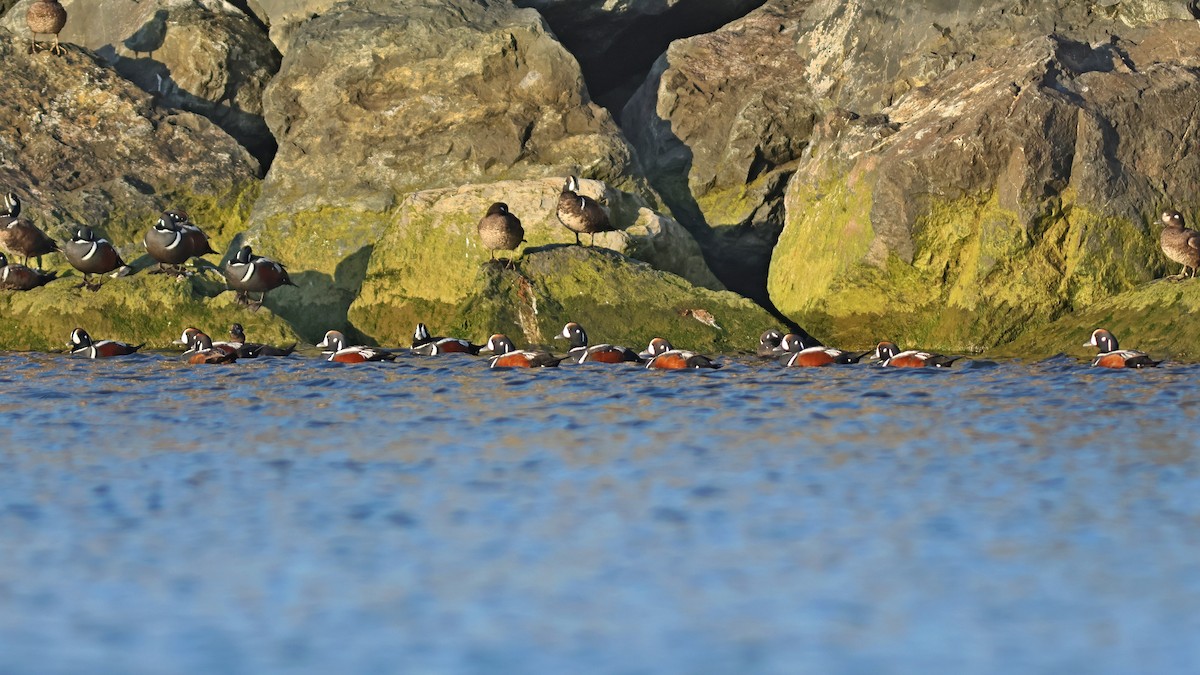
149 308
615 298
1161 318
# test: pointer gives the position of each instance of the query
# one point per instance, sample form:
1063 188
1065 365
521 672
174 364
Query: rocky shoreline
982 178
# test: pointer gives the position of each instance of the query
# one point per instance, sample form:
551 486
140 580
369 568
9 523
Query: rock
82 145
1014 189
616 42
150 308
617 299
431 252
393 98
718 125
202 56
286 17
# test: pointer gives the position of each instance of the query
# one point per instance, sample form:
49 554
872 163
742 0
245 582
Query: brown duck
20 277
46 17
1180 244
581 214
500 230
21 237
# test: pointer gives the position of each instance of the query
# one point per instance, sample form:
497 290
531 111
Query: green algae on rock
616 298
150 308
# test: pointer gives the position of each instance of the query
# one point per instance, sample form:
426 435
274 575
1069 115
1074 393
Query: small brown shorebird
46 17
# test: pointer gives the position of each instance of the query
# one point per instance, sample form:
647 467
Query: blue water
434 516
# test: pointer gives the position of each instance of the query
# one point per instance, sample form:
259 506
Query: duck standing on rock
581 214
1180 244
192 234
90 255
167 244
500 230
46 17
20 236
20 277
249 273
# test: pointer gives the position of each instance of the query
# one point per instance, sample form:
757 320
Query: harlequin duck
81 344
1180 244
426 345
46 17
657 346
768 344
892 357
20 236
20 277
189 340
202 350
500 230
581 214
250 350
90 255
823 356
1112 356
580 352
508 356
192 234
249 273
335 344
680 359
165 242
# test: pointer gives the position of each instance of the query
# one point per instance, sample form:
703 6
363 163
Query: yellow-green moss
150 308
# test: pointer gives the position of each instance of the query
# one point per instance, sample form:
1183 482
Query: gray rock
202 56
82 145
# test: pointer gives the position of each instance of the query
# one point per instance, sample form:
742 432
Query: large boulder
378 99
82 145
616 298
286 17
149 308
1015 188
429 258
202 56
719 124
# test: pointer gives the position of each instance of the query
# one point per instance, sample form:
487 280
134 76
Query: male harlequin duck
768 344
201 350
508 356
426 345
20 236
20 277
892 357
1112 356
500 230
250 350
189 339
194 237
46 17
166 243
81 344
581 214
249 273
335 345
580 352
823 356
90 255
656 347
680 359
1180 244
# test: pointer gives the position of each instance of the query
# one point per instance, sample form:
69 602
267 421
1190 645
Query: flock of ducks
659 354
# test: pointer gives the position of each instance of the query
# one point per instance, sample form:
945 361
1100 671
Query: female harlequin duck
21 236
892 357
768 344
250 350
679 359
500 230
335 345
508 356
249 273
580 352
81 344
90 255
426 345
1112 356
20 277
1180 244
823 356
46 17
581 214
201 350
